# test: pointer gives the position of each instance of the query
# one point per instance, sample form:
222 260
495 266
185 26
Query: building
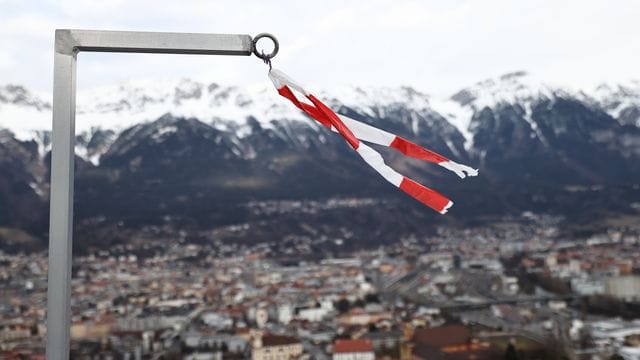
359 349
313 314
453 341
587 286
385 340
360 317
625 288
275 347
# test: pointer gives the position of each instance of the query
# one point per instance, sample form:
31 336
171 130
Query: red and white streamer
353 131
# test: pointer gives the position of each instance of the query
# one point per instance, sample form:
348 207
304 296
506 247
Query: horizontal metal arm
67 44
71 41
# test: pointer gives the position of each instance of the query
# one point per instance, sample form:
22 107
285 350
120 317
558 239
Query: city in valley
506 291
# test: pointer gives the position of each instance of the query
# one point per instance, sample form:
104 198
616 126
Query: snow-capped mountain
107 111
515 88
621 101
19 96
512 88
197 151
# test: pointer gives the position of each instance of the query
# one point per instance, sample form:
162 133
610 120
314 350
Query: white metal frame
67 45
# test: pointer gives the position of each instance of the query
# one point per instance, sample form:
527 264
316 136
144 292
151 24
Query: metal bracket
67 44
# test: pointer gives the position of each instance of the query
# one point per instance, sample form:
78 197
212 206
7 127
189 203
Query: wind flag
353 131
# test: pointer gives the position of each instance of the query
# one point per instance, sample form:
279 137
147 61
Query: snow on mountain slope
511 88
226 108
115 108
105 111
18 95
368 99
515 88
458 115
621 101
23 111
209 102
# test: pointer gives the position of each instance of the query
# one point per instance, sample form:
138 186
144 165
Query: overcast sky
437 46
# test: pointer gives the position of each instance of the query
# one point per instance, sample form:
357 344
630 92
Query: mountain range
209 160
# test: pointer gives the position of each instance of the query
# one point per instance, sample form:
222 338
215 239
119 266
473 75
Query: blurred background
215 221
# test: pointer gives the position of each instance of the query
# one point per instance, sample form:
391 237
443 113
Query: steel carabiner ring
262 55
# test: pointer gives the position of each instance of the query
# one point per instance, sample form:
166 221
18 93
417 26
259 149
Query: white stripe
367 132
280 79
375 160
446 207
460 170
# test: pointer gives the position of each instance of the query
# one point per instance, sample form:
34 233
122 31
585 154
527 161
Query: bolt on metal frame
68 43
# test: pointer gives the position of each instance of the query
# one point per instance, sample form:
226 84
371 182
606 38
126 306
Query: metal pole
61 210
67 44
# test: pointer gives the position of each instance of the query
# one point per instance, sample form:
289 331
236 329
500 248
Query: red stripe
322 114
416 151
308 109
336 122
429 197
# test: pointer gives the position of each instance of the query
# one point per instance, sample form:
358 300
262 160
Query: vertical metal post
61 208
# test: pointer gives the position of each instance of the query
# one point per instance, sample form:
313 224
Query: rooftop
352 346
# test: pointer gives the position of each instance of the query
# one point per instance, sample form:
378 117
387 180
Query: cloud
438 46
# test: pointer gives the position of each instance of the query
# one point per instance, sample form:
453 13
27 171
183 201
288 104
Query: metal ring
263 56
